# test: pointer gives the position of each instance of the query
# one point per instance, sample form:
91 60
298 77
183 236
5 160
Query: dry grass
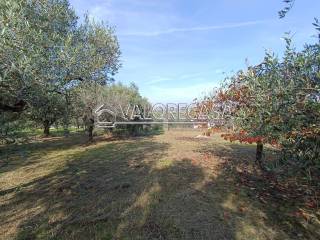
168 186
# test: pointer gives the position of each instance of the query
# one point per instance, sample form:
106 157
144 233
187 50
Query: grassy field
168 186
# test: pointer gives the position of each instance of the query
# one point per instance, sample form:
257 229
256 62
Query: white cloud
193 29
194 77
158 79
133 14
176 78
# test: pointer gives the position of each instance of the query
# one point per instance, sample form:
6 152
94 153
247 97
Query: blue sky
176 50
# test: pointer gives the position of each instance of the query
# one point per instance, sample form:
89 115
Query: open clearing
168 186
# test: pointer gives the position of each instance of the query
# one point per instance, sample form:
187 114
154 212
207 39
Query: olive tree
45 50
46 109
278 102
117 97
31 34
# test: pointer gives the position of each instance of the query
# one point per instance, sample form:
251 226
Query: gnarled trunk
88 120
66 117
90 129
259 155
46 128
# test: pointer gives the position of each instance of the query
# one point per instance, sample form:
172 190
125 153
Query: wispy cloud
194 29
176 78
158 79
186 77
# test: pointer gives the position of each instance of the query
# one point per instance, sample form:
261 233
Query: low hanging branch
17 107
243 137
21 105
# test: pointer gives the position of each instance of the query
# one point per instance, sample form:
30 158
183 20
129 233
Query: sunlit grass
169 186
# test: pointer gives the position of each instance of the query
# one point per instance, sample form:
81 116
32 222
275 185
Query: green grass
168 186
29 134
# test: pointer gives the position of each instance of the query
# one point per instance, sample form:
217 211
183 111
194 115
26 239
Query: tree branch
17 107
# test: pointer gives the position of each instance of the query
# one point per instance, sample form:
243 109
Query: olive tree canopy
44 47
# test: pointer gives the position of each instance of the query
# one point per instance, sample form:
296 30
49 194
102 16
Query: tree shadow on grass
274 197
14 156
179 203
92 187
133 190
121 190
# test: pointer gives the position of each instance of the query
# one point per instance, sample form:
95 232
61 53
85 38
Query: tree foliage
278 102
43 46
289 4
45 52
118 98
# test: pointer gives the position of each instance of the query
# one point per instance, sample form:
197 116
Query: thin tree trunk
46 128
259 155
66 117
66 131
77 123
90 129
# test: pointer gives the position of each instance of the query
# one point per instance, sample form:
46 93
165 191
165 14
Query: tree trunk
259 155
66 117
88 120
77 123
66 132
90 129
46 128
